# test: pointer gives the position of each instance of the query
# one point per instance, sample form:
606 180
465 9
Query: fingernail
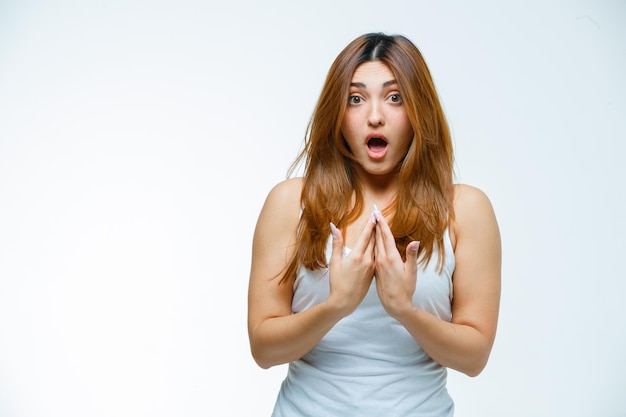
414 246
333 230
376 213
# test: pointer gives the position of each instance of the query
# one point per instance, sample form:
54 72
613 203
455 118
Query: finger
379 249
364 238
384 236
337 250
411 258
371 245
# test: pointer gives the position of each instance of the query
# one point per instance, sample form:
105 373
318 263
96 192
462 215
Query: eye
395 98
355 99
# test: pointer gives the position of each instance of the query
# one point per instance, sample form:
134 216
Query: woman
354 266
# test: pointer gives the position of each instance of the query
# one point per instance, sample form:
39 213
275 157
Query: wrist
334 310
403 312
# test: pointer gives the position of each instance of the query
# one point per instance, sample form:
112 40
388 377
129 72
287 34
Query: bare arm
276 335
464 344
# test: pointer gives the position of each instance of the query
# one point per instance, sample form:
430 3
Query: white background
138 140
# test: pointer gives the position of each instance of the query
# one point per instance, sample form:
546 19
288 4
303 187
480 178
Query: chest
434 289
353 231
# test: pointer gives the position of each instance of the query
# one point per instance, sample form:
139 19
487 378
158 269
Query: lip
375 135
376 153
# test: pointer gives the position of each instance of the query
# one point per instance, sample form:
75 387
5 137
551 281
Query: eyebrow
385 84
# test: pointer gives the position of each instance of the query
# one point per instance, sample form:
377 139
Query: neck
379 191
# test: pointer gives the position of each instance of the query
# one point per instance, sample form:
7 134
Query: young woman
374 273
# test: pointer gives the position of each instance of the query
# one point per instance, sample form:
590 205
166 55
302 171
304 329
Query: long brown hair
423 204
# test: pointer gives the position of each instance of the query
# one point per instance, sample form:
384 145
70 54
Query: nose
375 116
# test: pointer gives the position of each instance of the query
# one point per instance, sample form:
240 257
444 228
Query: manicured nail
333 230
414 246
376 213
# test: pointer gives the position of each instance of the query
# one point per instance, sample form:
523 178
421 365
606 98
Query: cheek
404 125
347 134
408 129
408 134
347 127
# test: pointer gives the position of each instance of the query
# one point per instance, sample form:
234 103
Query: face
376 125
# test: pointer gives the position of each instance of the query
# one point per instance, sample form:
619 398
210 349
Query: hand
395 280
351 277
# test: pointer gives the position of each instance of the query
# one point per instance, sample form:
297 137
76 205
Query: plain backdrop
138 140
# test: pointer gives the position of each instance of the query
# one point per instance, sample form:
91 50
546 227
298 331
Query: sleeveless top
368 364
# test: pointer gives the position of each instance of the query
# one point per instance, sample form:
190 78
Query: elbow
474 372
475 366
261 362
472 361
471 370
261 356
476 357
263 365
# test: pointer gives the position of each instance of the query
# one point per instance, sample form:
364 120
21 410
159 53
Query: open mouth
376 144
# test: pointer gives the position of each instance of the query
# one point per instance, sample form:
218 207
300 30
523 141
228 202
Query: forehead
376 72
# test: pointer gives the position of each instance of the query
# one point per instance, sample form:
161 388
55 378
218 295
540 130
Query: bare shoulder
287 190
472 210
281 210
469 197
284 198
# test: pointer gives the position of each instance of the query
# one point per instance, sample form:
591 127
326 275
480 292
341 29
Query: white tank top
368 364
